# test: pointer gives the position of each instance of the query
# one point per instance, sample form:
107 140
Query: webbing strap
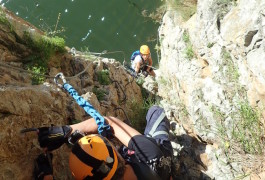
85 157
103 128
159 133
158 121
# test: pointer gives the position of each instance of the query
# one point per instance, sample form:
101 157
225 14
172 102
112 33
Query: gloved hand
145 73
43 166
53 137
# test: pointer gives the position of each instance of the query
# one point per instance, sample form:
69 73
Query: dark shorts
145 148
148 152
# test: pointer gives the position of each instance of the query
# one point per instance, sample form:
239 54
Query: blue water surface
94 25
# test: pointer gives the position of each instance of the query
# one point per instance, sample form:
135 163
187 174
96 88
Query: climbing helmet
144 49
93 156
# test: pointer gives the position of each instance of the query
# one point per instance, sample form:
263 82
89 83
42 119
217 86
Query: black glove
43 166
53 137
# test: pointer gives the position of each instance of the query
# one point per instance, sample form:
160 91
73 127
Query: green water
96 25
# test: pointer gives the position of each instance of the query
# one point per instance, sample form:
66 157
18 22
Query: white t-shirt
137 59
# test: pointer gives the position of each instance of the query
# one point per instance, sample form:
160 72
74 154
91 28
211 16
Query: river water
93 25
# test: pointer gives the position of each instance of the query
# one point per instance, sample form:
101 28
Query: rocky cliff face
103 82
211 79
212 83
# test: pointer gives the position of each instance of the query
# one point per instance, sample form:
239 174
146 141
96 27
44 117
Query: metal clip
61 76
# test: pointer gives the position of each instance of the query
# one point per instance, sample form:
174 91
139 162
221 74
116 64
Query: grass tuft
248 131
100 93
231 71
138 111
103 77
189 50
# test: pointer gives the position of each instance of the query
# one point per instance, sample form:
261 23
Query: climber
93 156
141 61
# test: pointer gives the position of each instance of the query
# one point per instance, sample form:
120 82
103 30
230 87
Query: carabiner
61 76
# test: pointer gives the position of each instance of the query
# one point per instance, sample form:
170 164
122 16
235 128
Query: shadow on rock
190 159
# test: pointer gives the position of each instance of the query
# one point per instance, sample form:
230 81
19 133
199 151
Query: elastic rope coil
103 128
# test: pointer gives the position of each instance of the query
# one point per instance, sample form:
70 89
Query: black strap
93 162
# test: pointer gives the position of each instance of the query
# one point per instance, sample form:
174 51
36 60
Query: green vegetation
103 77
186 37
247 131
43 47
138 111
38 66
100 93
4 20
38 77
220 118
183 112
189 50
231 71
210 45
140 81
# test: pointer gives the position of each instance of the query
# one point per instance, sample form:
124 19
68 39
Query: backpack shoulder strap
134 54
152 132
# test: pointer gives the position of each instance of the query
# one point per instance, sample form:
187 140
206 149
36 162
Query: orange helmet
144 49
93 156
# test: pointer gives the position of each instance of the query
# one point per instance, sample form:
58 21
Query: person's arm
137 67
137 61
121 130
150 63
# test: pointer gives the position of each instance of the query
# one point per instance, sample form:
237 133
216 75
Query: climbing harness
103 128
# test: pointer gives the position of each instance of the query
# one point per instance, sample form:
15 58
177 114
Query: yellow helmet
93 156
144 49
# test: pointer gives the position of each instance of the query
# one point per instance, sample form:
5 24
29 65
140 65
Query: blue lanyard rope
103 128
